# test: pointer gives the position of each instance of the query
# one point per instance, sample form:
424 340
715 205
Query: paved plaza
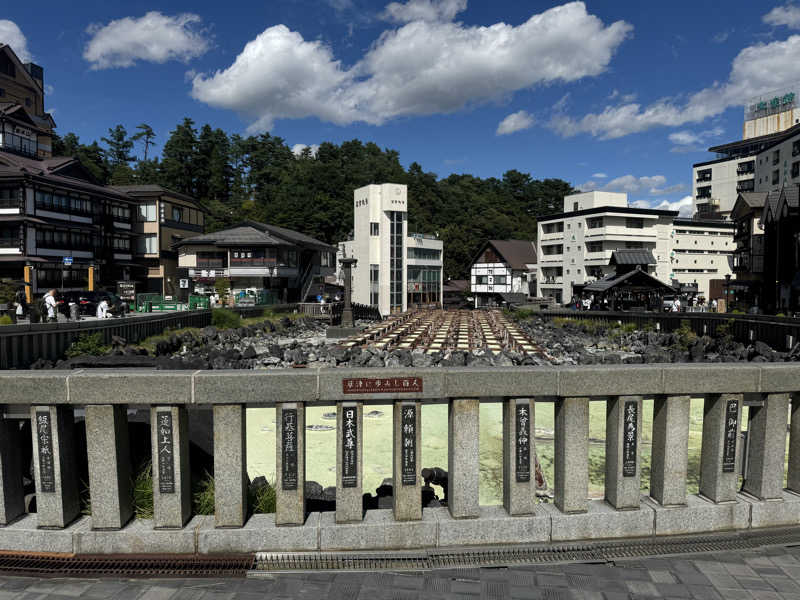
762 574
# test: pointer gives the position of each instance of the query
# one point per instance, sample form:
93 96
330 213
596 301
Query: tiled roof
632 256
253 233
610 281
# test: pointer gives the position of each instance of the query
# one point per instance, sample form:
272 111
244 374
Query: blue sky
614 95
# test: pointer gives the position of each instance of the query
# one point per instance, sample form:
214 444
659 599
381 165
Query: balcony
552 281
703 178
748 185
211 263
19 145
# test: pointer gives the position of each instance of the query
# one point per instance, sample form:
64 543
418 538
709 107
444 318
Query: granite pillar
519 450
108 451
766 447
670 450
172 493
722 417
230 465
623 441
406 460
57 502
290 463
793 478
463 458
571 473
12 498
349 461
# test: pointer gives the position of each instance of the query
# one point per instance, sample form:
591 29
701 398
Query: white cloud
155 37
755 69
421 68
12 35
788 15
684 206
423 10
690 141
515 122
630 184
721 37
298 149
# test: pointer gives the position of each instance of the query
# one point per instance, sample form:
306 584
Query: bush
87 344
6 320
262 499
203 497
684 336
222 318
143 492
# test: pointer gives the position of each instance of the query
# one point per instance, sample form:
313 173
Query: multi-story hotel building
395 269
767 156
575 246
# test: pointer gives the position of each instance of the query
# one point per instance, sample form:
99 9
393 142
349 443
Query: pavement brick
704 592
740 570
675 590
754 583
766 595
643 588
662 576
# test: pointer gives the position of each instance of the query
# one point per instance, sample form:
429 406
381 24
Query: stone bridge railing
50 398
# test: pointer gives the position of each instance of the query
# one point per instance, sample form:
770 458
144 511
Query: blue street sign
67 260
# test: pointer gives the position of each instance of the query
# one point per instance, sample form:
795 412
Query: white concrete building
574 247
504 270
395 269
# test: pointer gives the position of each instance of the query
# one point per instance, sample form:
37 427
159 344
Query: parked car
88 301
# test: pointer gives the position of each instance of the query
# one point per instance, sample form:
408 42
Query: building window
594 223
553 227
704 175
147 213
795 169
424 253
553 249
594 246
574 206
2 92
396 261
796 148
326 259
775 177
374 284
177 214
499 279
634 245
776 157
374 229
10 197
481 279
28 102
147 244
704 192
632 223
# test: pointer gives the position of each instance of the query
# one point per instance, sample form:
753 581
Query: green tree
179 159
147 135
119 147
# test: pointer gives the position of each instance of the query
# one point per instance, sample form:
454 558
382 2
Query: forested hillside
259 177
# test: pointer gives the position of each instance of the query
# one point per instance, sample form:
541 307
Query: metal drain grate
469 558
150 565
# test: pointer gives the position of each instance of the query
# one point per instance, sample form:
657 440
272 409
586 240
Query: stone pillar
172 493
349 461
12 499
766 447
519 450
108 451
793 480
571 476
290 463
230 465
722 415
670 451
623 441
57 502
406 447
463 454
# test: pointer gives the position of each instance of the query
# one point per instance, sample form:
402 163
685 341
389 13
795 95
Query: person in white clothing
50 304
676 305
102 309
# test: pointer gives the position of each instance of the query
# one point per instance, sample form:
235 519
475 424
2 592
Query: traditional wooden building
748 259
781 220
630 286
504 271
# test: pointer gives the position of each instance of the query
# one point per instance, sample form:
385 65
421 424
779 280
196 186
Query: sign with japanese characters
523 443
349 446
44 434
385 385
166 451
408 441
629 437
731 432
289 448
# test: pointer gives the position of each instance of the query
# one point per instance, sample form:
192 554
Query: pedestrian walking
50 305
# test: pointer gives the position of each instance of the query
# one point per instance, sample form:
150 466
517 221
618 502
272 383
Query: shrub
203 497
684 336
6 320
87 343
262 499
222 318
143 492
